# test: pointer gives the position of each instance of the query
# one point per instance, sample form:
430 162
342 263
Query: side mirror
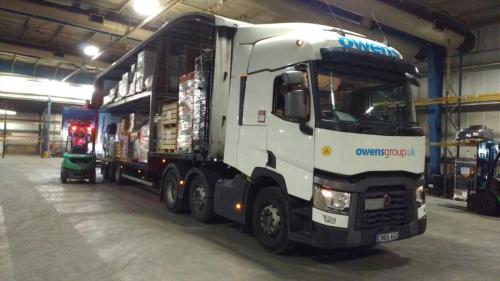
296 105
296 99
293 78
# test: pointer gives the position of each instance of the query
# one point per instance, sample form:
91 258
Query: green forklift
484 195
79 159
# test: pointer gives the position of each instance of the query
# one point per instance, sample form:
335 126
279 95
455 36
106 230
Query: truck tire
487 203
92 176
118 174
64 176
105 172
171 191
111 172
201 201
472 202
270 220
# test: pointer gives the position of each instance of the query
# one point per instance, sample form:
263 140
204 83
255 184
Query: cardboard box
124 125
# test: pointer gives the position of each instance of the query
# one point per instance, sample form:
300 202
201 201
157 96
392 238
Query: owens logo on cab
386 152
368 47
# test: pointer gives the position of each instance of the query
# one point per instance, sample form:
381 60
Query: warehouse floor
50 231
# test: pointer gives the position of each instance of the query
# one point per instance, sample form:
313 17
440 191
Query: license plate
387 237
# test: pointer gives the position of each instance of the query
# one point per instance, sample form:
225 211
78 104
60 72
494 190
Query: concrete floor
50 231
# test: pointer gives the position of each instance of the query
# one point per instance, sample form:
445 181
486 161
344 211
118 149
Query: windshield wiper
407 128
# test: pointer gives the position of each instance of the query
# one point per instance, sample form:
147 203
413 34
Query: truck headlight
329 200
420 195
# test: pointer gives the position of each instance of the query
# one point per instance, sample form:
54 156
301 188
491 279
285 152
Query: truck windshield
363 101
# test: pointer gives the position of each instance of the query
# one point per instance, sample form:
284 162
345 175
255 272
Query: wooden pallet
169 151
170 124
170 106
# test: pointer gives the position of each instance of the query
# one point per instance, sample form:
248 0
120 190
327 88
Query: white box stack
144 69
123 86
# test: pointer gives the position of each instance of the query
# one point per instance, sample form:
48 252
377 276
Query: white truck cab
329 113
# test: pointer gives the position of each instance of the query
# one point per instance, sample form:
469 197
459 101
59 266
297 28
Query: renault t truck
304 133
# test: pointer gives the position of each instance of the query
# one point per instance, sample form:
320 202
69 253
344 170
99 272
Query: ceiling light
146 7
7 112
91 50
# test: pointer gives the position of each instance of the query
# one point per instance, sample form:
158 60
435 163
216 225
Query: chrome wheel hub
199 197
171 192
270 220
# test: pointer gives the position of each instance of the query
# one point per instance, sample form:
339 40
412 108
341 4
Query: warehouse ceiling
52 33
475 13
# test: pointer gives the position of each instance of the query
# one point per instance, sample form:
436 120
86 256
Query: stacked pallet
168 131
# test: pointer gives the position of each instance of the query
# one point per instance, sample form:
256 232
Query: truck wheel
111 172
92 176
105 172
487 203
472 202
270 220
170 187
201 203
118 174
64 176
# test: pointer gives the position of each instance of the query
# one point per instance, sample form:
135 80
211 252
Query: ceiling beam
73 19
55 34
26 27
45 54
125 4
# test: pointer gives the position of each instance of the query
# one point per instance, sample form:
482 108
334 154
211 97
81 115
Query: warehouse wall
24 133
481 76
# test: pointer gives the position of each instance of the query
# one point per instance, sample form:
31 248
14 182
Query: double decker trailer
299 132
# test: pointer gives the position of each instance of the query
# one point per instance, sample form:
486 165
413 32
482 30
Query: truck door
290 144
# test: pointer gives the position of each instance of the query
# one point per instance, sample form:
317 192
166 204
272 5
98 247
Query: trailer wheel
472 202
201 202
92 176
111 172
118 174
105 172
171 190
64 176
487 203
270 220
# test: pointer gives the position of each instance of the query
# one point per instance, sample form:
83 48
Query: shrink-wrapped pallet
185 121
201 87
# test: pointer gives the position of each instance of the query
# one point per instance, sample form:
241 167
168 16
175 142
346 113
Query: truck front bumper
330 237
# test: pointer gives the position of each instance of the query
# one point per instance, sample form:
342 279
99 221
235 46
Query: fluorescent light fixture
91 50
31 88
146 7
7 112
369 110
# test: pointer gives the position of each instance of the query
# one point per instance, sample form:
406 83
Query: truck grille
380 218
392 207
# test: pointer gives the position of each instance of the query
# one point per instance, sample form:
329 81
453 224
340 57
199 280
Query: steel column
435 56
4 132
46 151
